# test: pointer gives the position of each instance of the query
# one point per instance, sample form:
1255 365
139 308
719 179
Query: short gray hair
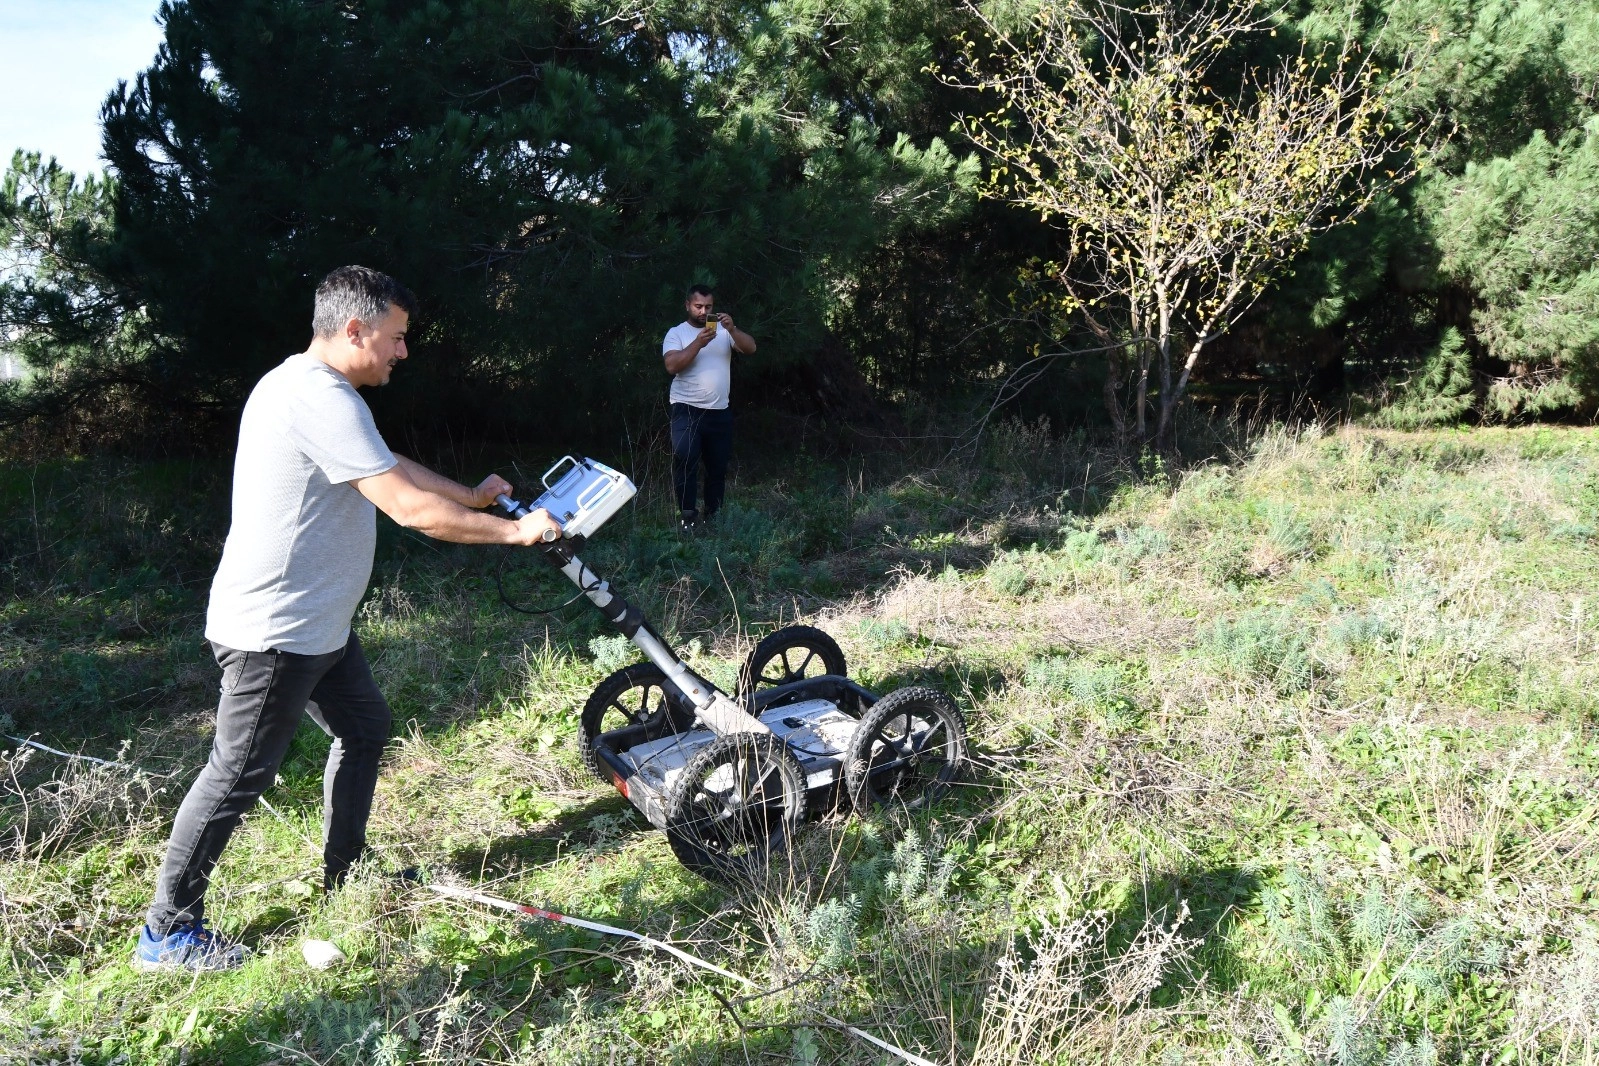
357 292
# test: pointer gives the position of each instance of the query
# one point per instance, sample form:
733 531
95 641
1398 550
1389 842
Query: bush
1007 576
1441 393
1141 543
1266 645
1103 691
1084 547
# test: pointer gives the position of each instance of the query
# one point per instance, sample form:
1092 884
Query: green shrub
884 634
1144 542
1224 560
831 930
824 520
1007 576
1083 547
1103 691
1287 531
1266 645
611 652
1441 392
1358 630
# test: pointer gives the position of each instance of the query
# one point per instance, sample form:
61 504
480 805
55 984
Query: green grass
1284 756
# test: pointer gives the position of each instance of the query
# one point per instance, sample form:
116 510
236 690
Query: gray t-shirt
299 551
706 382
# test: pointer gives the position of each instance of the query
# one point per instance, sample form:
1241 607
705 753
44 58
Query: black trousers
700 435
264 695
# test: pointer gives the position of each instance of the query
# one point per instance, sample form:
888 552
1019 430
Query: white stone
321 954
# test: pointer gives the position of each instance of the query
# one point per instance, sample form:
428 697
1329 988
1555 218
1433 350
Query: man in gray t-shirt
310 475
699 356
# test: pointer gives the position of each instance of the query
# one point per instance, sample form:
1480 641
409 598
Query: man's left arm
482 496
743 343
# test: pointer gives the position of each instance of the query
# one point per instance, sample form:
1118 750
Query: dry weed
1063 995
81 801
1556 1017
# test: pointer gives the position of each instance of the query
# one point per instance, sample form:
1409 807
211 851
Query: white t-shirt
707 381
299 550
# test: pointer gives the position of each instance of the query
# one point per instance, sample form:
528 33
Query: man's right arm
680 359
397 495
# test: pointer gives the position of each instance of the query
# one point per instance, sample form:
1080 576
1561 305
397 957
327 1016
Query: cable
499 585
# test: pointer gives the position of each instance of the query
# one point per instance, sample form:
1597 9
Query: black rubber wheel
909 745
792 653
739 799
636 695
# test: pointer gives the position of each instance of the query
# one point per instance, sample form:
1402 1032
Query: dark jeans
700 434
263 697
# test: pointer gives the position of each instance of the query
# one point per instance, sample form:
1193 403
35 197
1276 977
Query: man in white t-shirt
310 475
699 356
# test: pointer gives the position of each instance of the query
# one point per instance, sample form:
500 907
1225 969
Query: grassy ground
1285 756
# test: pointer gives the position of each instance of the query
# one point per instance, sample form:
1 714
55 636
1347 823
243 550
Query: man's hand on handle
537 527
492 486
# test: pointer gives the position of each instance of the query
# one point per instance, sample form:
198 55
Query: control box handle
563 459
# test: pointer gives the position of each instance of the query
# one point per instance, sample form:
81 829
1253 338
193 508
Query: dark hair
698 290
357 292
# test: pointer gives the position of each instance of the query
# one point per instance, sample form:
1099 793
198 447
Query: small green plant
611 652
1267 645
831 930
1287 530
1083 547
883 634
824 522
1358 631
1103 691
1007 576
1142 542
348 1031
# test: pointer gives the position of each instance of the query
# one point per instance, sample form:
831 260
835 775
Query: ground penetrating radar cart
730 778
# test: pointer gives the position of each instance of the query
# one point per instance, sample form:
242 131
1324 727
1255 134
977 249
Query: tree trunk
1163 427
1168 403
1113 401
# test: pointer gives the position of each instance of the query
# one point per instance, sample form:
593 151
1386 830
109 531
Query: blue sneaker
188 947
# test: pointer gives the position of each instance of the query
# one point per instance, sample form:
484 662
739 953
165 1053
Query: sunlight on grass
1285 755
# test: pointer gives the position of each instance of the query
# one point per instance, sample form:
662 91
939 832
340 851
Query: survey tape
483 898
671 949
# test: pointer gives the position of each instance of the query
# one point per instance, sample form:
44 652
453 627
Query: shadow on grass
1215 896
605 818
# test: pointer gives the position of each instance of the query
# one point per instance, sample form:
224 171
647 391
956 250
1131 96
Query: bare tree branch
1178 203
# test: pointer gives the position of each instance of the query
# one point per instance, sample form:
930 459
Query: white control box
585 496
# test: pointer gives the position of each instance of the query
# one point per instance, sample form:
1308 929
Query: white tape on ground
554 916
68 754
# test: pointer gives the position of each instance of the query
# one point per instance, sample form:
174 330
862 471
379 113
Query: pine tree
546 176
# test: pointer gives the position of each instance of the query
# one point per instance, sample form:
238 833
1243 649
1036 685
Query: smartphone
710 319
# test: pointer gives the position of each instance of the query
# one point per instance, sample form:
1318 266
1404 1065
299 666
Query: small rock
321 954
